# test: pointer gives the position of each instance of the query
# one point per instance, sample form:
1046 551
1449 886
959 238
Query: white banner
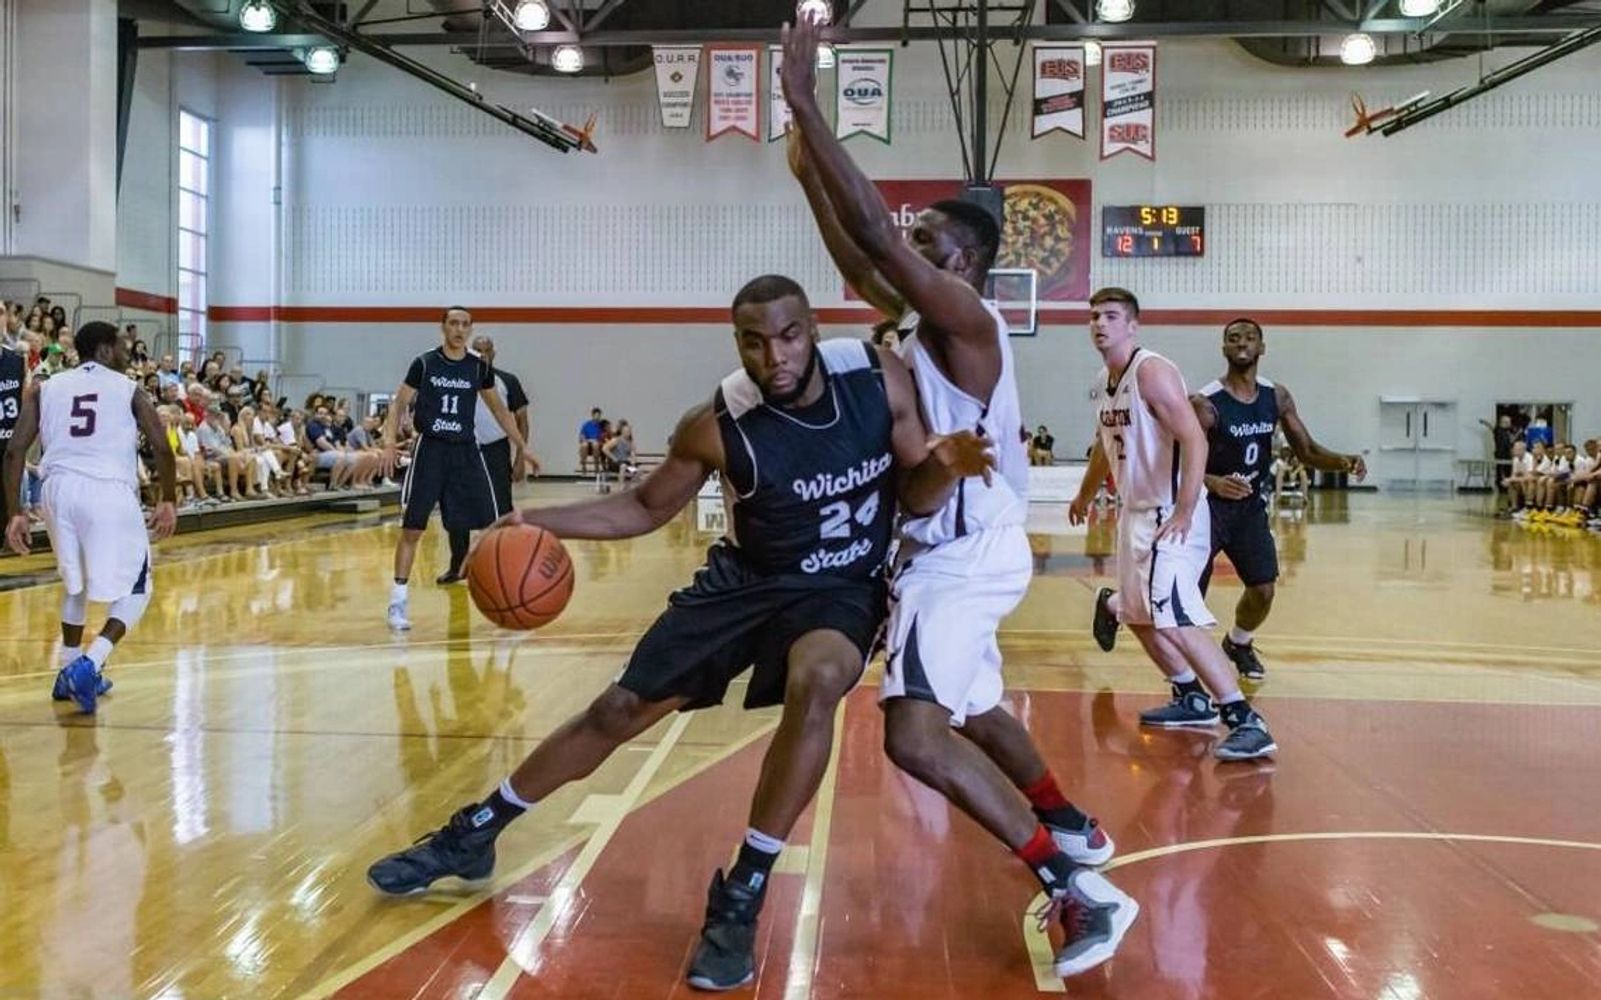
777 107
1128 100
677 68
862 93
1059 89
733 86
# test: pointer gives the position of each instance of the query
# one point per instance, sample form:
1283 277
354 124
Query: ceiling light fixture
1113 11
817 10
567 59
257 16
531 15
1419 8
1358 49
322 60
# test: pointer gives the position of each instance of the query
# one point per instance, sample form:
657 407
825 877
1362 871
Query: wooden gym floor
1431 828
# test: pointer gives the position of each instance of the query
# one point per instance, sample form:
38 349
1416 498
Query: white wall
398 196
243 249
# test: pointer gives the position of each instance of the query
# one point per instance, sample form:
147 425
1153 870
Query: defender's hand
964 454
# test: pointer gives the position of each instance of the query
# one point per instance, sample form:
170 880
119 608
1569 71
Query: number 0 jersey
1240 443
811 490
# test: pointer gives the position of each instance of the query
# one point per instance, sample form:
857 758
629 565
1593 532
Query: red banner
1047 228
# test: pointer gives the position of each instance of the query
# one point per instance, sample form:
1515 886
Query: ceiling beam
1069 8
850 15
605 10
1545 25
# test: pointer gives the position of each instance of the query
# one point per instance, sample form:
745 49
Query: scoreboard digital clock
1153 231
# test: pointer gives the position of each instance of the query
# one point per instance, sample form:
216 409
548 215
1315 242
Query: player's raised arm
854 265
1312 454
696 452
930 465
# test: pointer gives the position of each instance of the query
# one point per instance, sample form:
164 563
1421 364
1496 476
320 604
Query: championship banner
1047 228
677 69
862 93
1128 100
1059 89
777 107
733 101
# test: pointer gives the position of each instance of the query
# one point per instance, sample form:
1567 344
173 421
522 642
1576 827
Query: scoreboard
1153 231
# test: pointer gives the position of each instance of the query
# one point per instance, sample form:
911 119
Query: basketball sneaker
397 617
462 848
1192 710
448 577
725 959
1245 661
1095 915
60 693
83 683
1088 845
1247 741
1105 623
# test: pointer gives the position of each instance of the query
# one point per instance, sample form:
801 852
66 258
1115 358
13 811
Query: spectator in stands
60 316
1538 432
326 450
196 401
591 436
1042 447
217 446
140 354
621 457
266 474
1287 469
291 434
1524 478
314 401
1587 483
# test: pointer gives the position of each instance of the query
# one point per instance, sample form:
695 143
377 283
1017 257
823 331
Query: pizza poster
1047 228
1128 100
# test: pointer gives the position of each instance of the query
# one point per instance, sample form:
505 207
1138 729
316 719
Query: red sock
1039 849
1043 794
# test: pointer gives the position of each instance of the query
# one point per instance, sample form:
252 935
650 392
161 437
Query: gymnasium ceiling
616 34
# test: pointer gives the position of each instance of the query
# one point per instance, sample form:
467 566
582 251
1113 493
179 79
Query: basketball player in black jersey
1240 413
814 443
13 373
447 470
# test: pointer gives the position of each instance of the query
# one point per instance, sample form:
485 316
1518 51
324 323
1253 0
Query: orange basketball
520 576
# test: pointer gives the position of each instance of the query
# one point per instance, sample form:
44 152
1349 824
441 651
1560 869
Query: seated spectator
1041 448
620 454
217 446
1287 468
326 451
1586 482
291 435
1520 484
267 474
591 435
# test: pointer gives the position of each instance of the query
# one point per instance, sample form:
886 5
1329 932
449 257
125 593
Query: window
194 215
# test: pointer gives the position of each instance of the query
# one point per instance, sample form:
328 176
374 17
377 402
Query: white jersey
86 425
946 408
1144 456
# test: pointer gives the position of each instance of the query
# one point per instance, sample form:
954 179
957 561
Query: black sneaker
1249 740
1095 915
1245 661
448 577
1105 623
1193 710
726 956
456 849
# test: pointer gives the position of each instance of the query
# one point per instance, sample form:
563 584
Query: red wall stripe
132 298
718 315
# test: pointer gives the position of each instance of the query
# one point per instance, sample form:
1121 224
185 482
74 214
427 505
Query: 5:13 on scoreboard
1153 231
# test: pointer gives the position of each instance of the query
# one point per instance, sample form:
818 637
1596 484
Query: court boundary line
1045 978
803 947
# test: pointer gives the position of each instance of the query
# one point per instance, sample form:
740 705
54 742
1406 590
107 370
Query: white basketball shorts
946 603
98 533
1160 583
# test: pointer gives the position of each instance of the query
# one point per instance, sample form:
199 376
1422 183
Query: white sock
1230 699
510 795
397 594
1240 637
99 651
759 841
1187 677
70 653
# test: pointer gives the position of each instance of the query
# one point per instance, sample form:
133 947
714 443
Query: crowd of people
233 439
1546 481
606 450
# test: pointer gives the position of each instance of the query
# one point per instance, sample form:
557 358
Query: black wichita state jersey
447 394
13 370
1241 441
812 491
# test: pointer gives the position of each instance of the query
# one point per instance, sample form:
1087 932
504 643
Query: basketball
520 576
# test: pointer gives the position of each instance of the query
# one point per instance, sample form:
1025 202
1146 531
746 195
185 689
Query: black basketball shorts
452 476
731 618
497 455
1240 530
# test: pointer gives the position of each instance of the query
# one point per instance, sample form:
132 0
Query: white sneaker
1088 846
397 617
1095 915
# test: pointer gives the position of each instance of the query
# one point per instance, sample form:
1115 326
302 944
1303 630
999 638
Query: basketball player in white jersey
88 420
964 567
1153 445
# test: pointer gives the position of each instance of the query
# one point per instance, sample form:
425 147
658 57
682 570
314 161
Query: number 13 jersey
86 425
1144 456
811 490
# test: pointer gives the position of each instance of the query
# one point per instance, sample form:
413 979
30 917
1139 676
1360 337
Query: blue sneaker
59 691
83 683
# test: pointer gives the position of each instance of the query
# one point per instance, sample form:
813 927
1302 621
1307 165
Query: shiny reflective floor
1431 828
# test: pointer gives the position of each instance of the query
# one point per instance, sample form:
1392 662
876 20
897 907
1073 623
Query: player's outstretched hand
1175 528
19 533
798 74
389 461
163 521
1078 511
965 454
515 517
1229 487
